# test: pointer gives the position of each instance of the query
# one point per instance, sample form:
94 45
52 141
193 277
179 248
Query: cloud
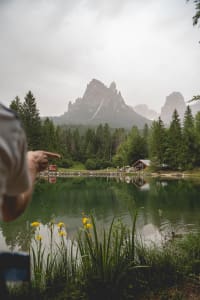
54 48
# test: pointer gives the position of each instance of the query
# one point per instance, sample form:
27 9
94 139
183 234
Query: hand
38 160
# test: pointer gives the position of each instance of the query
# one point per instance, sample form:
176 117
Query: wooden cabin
141 164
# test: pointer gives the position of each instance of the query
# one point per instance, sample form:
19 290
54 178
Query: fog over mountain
54 48
146 112
173 101
101 104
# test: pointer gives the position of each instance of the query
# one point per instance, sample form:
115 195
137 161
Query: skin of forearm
14 206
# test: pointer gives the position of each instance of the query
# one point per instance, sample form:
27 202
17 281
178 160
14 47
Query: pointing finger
52 154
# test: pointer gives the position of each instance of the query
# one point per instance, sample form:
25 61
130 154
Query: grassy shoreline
112 264
146 173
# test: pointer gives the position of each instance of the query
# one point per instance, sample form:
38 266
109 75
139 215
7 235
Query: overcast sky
55 47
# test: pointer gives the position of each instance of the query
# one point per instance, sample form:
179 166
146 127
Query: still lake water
163 206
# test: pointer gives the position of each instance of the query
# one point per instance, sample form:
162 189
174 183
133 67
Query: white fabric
14 176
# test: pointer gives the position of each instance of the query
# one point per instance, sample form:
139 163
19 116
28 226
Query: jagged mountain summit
101 104
145 111
174 101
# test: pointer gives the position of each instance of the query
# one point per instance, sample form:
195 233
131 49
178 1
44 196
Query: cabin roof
146 162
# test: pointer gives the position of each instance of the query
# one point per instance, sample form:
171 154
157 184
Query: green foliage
102 147
189 140
157 143
134 147
90 164
106 259
16 105
31 121
196 17
65 163
174 151
106 263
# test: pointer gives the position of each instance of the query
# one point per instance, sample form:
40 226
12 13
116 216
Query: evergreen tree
132 149
16 105
197 135
32 123
107 143
157 143
89 144
189 140
59 143
173 152
136 148
48 134
145 134
76 146
118 138
99 141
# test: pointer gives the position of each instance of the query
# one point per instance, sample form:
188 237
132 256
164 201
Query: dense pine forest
176 147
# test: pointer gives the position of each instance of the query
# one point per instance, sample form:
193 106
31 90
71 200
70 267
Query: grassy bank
109 264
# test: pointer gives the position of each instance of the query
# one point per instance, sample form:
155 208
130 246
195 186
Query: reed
107 263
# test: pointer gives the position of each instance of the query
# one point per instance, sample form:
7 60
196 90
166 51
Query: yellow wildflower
62 233
85 220
35 224
61 224
88 225
38 237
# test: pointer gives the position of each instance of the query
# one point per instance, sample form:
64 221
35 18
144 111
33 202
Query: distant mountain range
173 101
101 104
176 101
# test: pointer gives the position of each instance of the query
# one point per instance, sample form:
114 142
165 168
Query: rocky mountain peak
101 104
113 87
174 101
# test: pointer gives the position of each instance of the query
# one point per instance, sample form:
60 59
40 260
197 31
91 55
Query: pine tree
157 143
197 136
32 123
76 146
49 142
132 149
107 143
173 152
189 140
118 138
16 105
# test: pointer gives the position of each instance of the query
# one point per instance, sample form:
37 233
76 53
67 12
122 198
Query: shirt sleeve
14 174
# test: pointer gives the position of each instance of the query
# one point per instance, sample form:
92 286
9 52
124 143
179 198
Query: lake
163 206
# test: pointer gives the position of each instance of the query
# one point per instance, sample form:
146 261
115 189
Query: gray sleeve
14 175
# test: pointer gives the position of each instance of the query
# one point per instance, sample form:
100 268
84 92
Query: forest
175 147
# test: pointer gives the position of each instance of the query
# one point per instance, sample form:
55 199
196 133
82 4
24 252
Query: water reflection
164 206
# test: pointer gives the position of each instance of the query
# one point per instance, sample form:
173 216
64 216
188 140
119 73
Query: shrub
65 163
90 164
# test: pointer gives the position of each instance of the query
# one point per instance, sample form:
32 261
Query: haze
54 48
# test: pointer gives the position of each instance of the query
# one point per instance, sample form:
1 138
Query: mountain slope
101 104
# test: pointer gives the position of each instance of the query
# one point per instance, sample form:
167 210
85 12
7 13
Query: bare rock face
174 101
195 107
101 104
146 112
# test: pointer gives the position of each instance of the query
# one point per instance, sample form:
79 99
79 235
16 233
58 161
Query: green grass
77 166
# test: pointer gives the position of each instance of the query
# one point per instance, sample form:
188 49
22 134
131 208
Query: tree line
175 147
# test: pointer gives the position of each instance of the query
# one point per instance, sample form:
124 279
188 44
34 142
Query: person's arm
13 206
